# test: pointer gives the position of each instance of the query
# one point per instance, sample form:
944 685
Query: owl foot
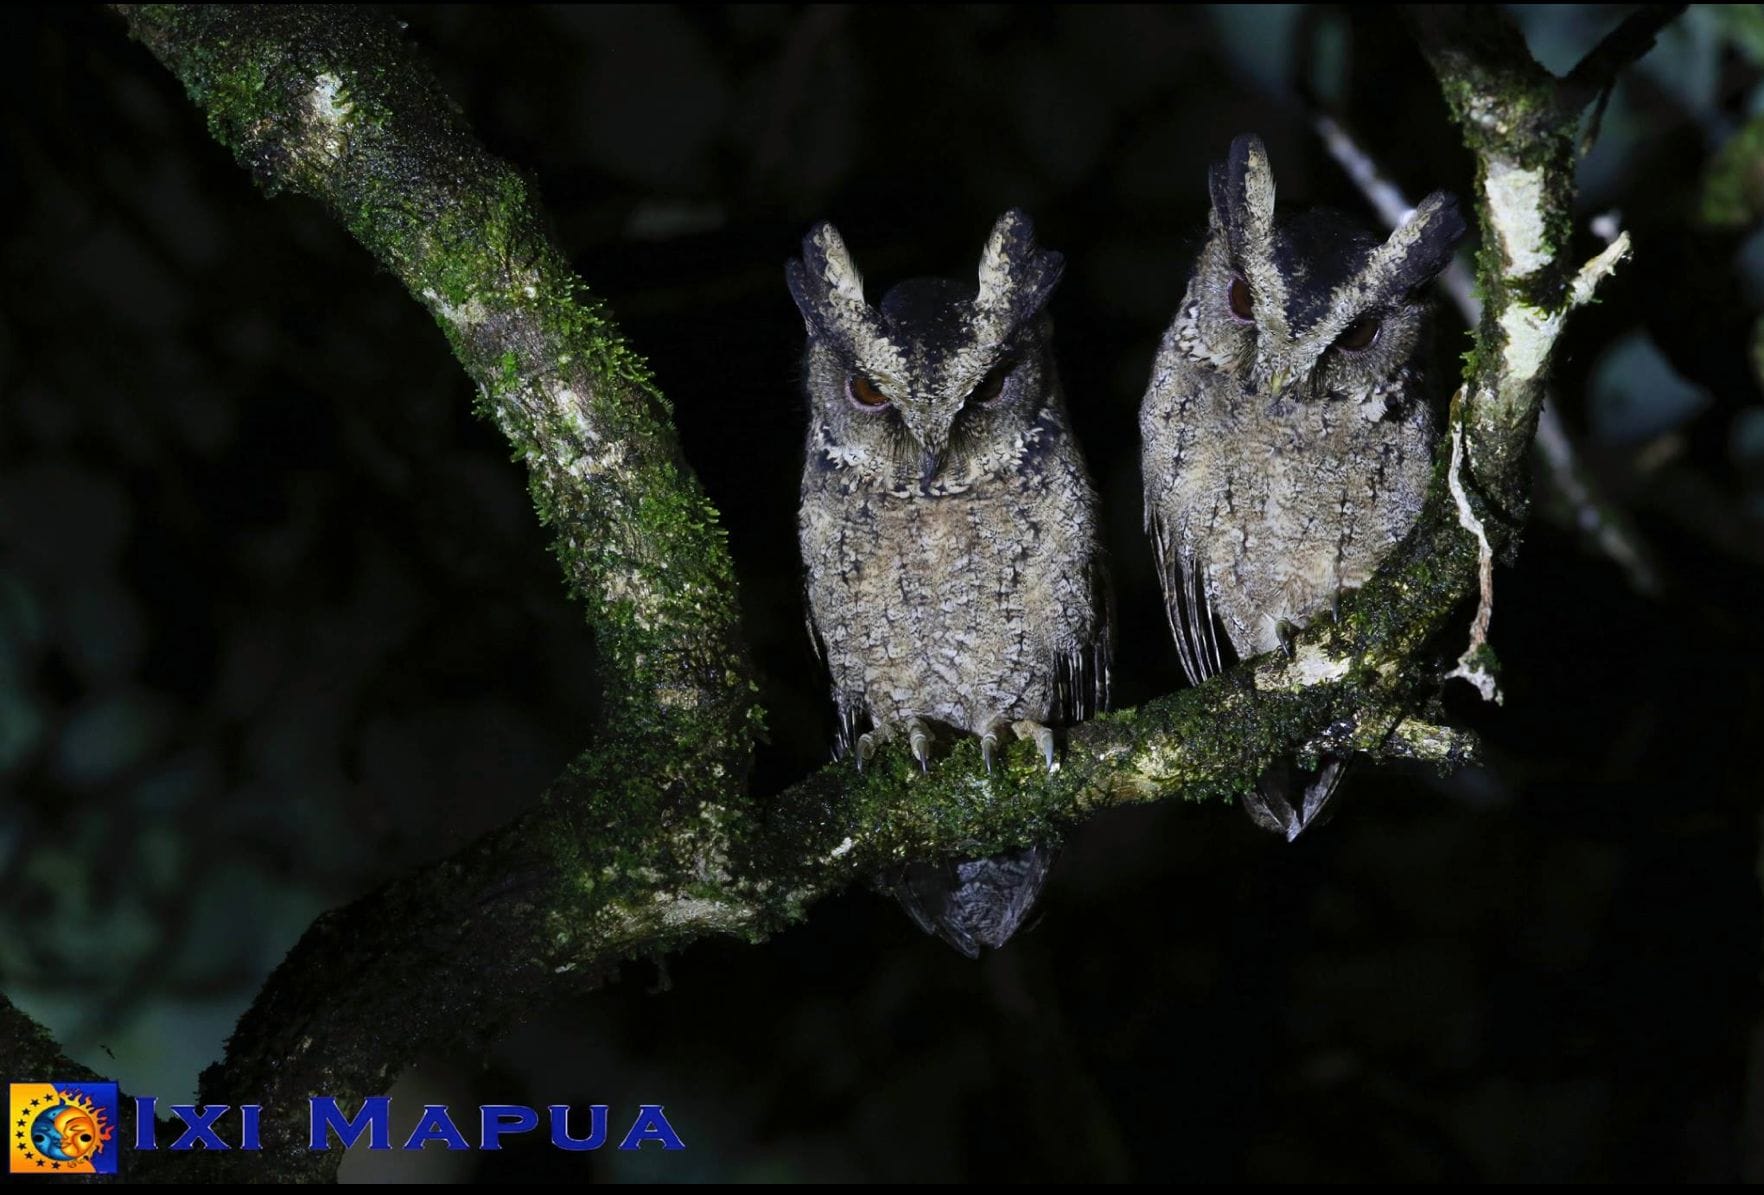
918 737
1043 737
1287 631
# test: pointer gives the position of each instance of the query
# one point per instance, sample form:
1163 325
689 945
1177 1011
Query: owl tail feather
1289 799
973 902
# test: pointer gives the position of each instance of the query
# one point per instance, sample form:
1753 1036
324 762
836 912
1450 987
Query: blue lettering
248 1114
436 1125
199 1126
375 1114
651 1126
146 1128
560 1127
505 1118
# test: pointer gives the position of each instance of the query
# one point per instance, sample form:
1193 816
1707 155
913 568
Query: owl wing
1082 669
1079 626
818 536
848 707
1187 602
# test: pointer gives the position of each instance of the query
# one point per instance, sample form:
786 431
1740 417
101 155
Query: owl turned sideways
948 529
1288 431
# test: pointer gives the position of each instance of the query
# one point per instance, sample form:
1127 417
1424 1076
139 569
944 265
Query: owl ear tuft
825 282
1423 245
1243 205
1016 275
1242 188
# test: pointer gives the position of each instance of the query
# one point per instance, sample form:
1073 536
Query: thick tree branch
329 102
650 840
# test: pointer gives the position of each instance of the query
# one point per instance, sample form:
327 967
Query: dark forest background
277 621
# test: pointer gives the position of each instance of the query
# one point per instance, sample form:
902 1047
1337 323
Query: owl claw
920 740
866 747
1042 736
988 748
1287 632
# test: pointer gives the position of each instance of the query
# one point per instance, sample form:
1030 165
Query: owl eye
863 393
991 387
1239 297
1359 335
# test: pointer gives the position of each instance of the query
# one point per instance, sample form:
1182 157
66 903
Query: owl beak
931 464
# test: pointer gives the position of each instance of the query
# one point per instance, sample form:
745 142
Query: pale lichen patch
328 111
1516 207
462 316
1313 666
1530 334
328 101
1309 666
700 912
677 697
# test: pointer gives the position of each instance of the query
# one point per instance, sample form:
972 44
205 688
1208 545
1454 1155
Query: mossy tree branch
1521 123
650 839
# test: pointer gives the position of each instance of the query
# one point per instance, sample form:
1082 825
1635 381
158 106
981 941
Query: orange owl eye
1241 305
863 393
1359 335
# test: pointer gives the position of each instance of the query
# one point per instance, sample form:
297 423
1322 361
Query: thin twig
1475 664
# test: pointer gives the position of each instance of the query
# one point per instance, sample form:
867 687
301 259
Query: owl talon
1287 632
1042 737
866 748
988 749
919 738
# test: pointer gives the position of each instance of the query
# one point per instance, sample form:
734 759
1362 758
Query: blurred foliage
1733 188
276 620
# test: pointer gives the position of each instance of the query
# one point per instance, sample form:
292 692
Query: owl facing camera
949 533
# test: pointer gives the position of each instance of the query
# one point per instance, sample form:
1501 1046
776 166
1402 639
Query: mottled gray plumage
1287 435
949 532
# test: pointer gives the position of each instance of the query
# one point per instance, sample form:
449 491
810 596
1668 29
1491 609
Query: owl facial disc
1296 325
933 346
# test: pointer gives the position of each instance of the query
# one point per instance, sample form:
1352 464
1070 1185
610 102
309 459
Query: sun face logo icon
63 1128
